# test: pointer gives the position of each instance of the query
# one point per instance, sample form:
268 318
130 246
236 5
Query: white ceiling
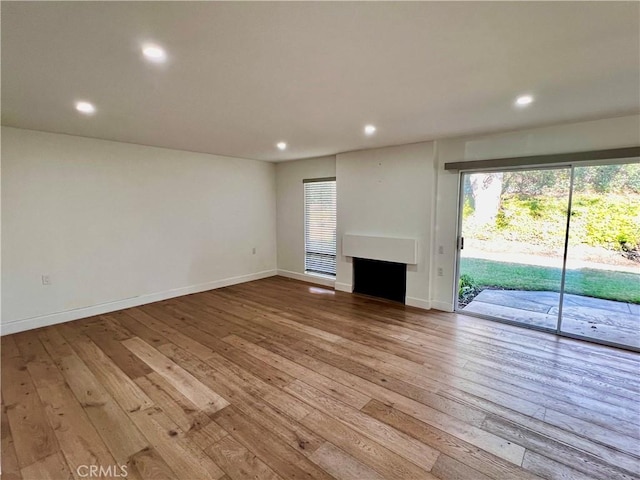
243 76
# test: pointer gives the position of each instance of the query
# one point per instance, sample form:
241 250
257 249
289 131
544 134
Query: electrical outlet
253 251
440 272
440 249
46 280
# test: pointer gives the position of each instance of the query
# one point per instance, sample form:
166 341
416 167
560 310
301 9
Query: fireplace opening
380 279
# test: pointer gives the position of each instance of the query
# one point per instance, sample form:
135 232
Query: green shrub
467 208
609 221
502 222
535 220
612 222
466 281
467 290
536 208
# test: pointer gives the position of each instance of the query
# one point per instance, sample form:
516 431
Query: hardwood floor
278 379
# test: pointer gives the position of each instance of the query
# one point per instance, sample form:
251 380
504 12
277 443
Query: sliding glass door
602 282
554 249
514 228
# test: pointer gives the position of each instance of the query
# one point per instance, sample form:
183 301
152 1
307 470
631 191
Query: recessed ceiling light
281 146
369 130
85 107
154 53
524 100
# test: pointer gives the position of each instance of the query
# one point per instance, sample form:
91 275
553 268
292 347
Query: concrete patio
605 320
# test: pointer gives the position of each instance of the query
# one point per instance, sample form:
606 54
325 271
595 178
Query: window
320 226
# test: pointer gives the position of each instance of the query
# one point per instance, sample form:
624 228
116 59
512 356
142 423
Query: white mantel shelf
389 249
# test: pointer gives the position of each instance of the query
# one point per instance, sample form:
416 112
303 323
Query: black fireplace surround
380 279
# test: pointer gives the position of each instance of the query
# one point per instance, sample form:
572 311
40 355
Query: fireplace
379 278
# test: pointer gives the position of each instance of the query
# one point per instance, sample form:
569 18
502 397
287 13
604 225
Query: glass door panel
513 229
602 284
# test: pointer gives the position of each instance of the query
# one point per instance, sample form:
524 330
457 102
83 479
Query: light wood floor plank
284 460
120 435
567 454
196 424
328 386
238 462
448 468
33 437
9 461
165 396
370 382
185 458
478 459
405 446
547 468
342 465
109 340
124 390
369 452
240 390
149 465
210 343
79 442
52 467
202 396
280 379
465 431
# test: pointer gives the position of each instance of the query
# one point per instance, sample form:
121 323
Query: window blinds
320 226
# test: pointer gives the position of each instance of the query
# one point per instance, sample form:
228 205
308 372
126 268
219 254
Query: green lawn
621 286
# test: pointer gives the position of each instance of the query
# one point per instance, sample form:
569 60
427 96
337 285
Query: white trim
343 287
308 277
66 316
443 306
418 302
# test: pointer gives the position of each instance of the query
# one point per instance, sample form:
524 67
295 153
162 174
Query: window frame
304 200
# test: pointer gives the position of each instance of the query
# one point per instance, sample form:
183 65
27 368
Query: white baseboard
443 306
344 287
418 302
66 316
305 277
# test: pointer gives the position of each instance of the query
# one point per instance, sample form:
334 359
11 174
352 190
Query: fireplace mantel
399 250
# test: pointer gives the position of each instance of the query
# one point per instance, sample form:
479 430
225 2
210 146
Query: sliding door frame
558 330
565 254
459 244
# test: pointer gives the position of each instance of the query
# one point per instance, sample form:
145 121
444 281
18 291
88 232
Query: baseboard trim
76 314
305 277
443 306
344 287
418 303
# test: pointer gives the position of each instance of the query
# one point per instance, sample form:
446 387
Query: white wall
389 192
116 225
405 192
290 217
593 135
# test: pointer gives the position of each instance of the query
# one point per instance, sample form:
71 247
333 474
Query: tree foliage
531 206
591 179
